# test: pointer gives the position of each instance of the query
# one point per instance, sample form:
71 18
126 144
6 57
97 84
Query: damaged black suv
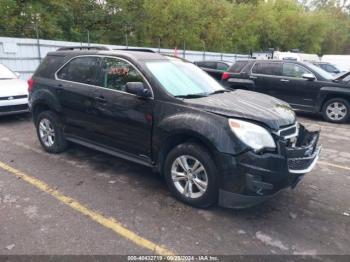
236 148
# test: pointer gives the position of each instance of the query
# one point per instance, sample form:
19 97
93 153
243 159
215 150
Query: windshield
6 73
321 72
183 79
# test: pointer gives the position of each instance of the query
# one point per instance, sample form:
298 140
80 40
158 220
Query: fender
331 90
44 96
212 133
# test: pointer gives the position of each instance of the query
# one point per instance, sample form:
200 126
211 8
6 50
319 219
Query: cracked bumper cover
250 178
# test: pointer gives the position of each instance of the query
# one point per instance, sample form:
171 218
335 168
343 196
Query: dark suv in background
214 68
304 86
211 144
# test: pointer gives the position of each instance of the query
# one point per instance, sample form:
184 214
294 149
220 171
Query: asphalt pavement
83 202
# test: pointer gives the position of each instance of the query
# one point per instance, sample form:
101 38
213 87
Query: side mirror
309 77
336 71
17 74
138 88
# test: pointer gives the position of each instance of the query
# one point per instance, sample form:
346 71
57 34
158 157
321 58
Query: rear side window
210 65
81 70
274 69
238 66
49 66
222 66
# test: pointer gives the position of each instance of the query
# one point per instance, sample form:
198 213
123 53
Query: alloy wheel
336 111
189 176
47 132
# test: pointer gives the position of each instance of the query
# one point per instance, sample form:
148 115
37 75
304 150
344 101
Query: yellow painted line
333 165
107 222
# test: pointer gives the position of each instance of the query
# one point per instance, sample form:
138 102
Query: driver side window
294 70
116 73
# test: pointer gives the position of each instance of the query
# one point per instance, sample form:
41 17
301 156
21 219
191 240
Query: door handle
284 80
253 77
101 99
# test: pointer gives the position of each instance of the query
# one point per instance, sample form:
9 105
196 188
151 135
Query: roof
216 61
136 55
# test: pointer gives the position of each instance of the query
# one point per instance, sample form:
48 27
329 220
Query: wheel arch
331 93
178 138
44 100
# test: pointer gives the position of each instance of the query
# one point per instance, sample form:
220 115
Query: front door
300 93
125 120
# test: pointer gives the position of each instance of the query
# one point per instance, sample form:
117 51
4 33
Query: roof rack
135 50
72 48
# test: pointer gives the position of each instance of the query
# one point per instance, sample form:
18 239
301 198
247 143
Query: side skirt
113 152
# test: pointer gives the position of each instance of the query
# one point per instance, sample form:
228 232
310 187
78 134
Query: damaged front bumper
251 178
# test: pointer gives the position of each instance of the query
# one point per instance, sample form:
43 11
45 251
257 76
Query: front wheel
191 174
336 110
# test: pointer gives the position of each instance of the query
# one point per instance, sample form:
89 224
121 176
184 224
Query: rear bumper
250 178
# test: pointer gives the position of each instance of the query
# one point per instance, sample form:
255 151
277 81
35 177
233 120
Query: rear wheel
336 110
191 173
50 133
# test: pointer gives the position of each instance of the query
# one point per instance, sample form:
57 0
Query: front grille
13 108
304 164
288 132
13 97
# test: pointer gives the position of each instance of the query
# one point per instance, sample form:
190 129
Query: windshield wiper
192 96
220 91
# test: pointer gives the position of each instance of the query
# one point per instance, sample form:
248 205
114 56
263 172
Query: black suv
214 68
304 86
211 144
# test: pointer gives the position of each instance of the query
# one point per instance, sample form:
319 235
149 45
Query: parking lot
86 202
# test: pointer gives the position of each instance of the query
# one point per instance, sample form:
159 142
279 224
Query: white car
13 93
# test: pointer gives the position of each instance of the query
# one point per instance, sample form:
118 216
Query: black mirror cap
138 88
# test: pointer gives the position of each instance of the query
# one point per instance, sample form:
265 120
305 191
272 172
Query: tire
331 114
48 123
204 173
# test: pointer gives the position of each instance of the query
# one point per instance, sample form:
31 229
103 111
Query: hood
247 105
13 87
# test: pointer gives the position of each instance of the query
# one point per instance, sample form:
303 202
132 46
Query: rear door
267 77
75 85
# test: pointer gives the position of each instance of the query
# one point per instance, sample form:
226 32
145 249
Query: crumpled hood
13 87
248 105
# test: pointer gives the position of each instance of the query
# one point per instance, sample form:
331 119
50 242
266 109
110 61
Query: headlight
252 135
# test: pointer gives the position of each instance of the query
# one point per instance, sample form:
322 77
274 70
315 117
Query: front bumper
251 178
15 106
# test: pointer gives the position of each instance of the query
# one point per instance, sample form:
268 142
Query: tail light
225 75
30 84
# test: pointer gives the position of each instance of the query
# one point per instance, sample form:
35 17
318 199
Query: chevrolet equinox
232 147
